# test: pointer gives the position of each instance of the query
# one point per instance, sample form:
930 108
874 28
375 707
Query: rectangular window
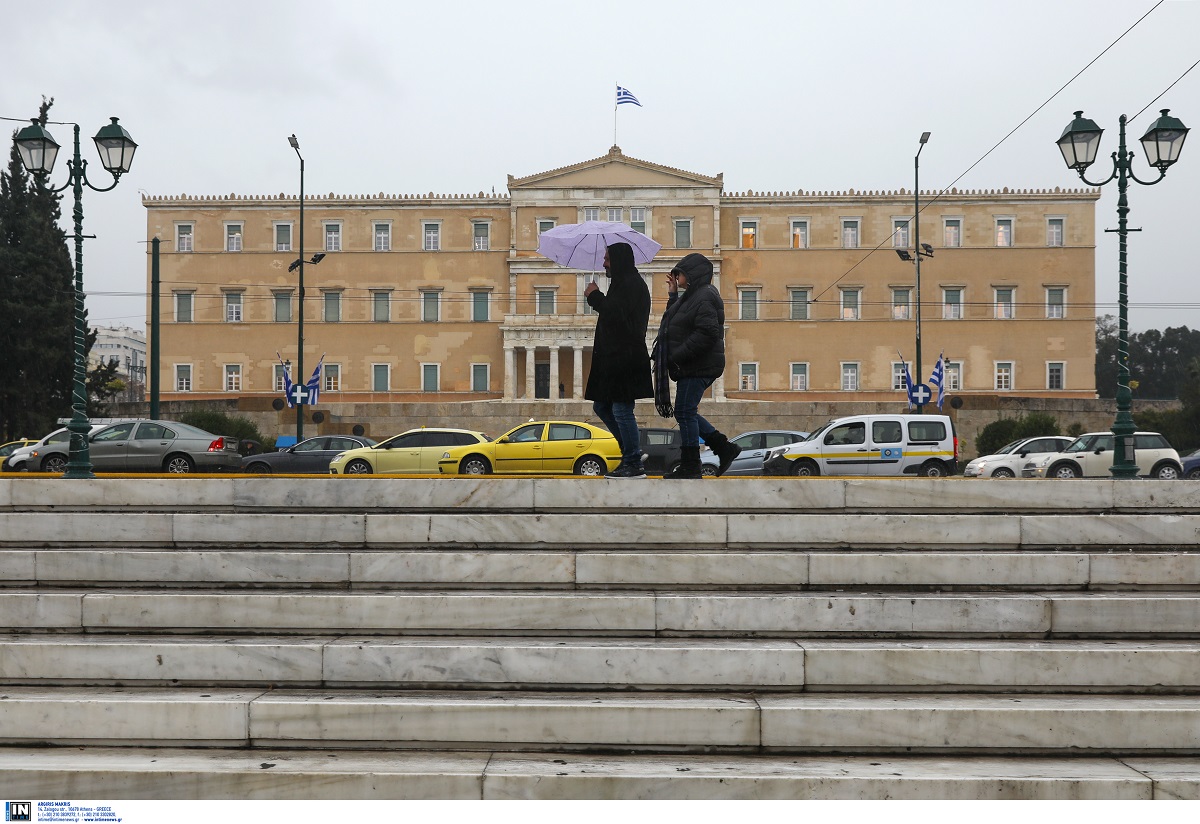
183 307
233 307
183 377
898 376
953 376
850 304
591 213
849 377
1054 375
749 376
433 236
747 304
614 214
545 301
749 234
233 237
952 304
333 237
683 234
283 307
799 377
381 377
482 233
799 301
383 237
1056 302
1004 231
283 237
333 377
479 377
430 377
637 219
850 233
901 307
544 226
952 232
1054 231
381 307
233 377
430 307
900 233
277 381
1004 376
183 237
1005 306
479 306
799 234
333 307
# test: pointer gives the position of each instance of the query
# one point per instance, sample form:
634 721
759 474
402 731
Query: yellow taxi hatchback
413 452
538 448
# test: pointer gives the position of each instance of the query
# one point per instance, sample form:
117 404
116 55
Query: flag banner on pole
938 378
314 383
287 383
908 381
626 96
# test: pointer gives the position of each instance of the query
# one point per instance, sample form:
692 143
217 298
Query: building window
233 307
799 377
1056 302
952 232
1054 231
637 219
614 214
544 226
233 237
432 233
381 377
1005 307
383 237
480 378
430 377
482 233
430 307
1004 231
545 301
283 237
901 306
898 376
277 381
333 237
799 304
333 307
849 377
183 237
1054 375
850 233
952 308
591 213
283 307
479 306
747 304
953 376
683 234
799 234
183 377
233 377
749 377
381 307
183 307
900 232
332 377
749 234
1004 376
850 304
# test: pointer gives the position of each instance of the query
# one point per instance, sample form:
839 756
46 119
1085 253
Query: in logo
18 811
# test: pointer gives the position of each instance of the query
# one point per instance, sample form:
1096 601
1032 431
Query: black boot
723 449
689 465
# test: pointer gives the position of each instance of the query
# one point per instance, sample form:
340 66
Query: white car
19 461
1090 456
885 445
1009 460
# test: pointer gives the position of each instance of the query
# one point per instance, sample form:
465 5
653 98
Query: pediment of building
613 170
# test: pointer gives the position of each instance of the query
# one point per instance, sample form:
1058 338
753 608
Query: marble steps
660 722
573 664
126 773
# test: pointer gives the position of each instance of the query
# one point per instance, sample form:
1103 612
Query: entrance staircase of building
276 637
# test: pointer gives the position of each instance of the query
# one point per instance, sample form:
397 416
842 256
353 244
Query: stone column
510 373
554 352
577 374
718 389
530 379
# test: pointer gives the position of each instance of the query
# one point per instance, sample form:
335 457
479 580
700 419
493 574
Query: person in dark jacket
620 372
691 338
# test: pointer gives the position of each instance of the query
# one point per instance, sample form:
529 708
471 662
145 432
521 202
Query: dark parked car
310 456
662 450
1191 466
146 446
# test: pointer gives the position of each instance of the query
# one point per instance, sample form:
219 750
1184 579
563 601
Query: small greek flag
939 378
908 381
626 96
287 383
314 383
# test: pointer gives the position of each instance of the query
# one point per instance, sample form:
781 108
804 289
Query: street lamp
299 264
38 152
1162 143
919 251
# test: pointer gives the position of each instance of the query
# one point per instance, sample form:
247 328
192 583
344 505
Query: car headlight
776 452
445 455
338 456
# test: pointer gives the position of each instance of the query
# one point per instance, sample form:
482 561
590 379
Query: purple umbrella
582 245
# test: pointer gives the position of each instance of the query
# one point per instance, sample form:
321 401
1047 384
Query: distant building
125 345
444 297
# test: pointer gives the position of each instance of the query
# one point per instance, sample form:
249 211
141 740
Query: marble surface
1145 568
29 609
32 529
533 530
270 529
262 566
16 566
357 493
450 567
699 568
847 530
978 494
170 494
734 494
1174 778
1118 612
1158 530
917 568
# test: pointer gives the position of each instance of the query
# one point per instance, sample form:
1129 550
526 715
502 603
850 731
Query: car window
468 438
1080 444
567 432
342 444
750 440
441 439
886 431
926 431
59 437
1150 442
847 433
1102 442
527 434
405 441
1004 450
659 438
119 432
153 432
1045 445
781 439
311 445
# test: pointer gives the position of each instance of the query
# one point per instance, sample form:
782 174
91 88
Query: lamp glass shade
37 149
116 147
1080 142
1163 141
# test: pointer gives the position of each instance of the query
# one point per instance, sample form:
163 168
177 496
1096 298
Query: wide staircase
321 637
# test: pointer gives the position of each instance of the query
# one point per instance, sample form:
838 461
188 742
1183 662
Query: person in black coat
620 373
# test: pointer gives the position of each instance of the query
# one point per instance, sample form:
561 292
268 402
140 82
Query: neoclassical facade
444 297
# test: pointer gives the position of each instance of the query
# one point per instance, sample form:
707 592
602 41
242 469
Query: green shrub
218 423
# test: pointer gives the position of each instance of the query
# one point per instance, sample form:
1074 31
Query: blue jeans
619 418
688 392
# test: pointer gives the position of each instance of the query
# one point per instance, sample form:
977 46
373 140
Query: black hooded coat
620 362
693 325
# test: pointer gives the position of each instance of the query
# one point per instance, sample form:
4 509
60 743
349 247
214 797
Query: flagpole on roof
616 102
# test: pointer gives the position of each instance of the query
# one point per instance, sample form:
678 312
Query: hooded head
619 260
697 268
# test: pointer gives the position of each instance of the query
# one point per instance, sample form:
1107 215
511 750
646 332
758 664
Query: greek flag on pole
626 96
314 383
287 383
908 381
939 378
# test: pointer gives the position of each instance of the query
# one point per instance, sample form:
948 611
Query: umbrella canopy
582 245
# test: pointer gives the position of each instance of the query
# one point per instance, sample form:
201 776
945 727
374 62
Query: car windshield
1004 450
817 432
1080 444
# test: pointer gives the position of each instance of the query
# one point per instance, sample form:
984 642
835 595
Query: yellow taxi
538 448
8 448
413 452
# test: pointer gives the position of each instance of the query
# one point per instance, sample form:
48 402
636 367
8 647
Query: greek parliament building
444 297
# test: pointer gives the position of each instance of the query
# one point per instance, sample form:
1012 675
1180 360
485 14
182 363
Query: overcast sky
451 97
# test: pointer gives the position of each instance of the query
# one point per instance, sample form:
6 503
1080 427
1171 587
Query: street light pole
300 378
917 247
1079 144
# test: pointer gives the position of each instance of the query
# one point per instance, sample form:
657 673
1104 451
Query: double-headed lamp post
38 152
1079 144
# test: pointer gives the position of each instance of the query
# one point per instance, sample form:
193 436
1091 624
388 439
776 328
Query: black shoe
628 471
689 467
727 454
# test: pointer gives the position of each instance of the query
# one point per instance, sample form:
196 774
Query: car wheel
590 465
1194 475
805 468
1166 472
258 468
1003 472
179 464
933 469
708 470
358 467
1063 471
54 463
474 465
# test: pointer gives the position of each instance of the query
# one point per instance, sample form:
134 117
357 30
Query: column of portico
510 373
530 379
718 389
554 352
577 373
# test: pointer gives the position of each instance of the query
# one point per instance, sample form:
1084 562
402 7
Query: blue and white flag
626 96
908 381
287 383
314 383
939 378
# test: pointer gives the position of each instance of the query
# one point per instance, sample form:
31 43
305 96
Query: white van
881 445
